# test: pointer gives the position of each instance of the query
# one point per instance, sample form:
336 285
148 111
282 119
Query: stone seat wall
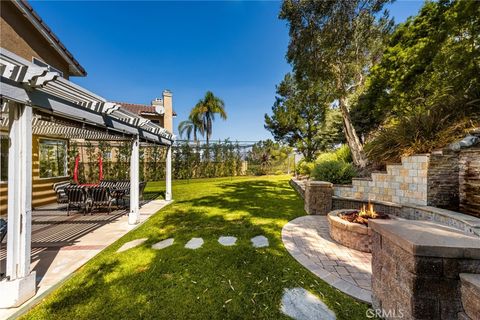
417 267
466 223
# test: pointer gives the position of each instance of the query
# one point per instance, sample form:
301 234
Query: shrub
419 132
304 168
334 171
341 154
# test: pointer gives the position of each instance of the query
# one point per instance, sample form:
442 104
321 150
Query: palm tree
192 126
205 111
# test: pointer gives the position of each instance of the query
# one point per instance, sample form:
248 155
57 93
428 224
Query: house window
3 158
40 63
53 158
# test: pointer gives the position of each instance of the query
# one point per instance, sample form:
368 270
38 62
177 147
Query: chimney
168 109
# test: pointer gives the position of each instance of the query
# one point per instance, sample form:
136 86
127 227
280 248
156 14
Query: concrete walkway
61 244
308 241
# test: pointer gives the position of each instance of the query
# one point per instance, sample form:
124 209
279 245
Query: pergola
35 100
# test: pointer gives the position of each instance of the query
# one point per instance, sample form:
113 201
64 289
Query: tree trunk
358 155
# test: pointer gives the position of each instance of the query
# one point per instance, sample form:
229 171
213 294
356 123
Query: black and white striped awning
24 82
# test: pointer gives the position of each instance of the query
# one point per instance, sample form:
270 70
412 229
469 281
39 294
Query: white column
20 284
168 175
134 216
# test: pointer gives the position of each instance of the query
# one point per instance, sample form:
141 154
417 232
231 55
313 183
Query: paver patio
308 241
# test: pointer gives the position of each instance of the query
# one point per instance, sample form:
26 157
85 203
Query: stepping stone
227 241
194 243
131 244
300 304
259 241
163 244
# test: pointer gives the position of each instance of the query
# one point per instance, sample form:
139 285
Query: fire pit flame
368 212
361 216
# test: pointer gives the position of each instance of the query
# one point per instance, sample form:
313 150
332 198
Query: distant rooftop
140 108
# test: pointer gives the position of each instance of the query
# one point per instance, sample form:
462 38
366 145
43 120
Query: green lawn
213 282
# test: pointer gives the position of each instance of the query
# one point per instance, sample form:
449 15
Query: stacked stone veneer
401 183
318 197
469 181
443 180
416 269
352 235
463 222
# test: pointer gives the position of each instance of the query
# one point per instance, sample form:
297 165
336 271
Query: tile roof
139 108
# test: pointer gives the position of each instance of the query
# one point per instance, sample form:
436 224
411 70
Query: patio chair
59 189
101 197
77 197
3 229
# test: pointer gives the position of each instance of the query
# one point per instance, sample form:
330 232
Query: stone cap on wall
471 221
319 183
422 238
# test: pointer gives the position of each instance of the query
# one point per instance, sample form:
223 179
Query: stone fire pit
352 235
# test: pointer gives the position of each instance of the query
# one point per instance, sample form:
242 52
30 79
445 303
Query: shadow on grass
213 282
261 199
153 195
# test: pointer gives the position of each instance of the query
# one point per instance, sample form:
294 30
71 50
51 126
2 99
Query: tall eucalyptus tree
335 43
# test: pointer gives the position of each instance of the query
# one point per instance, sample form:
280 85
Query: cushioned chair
59 189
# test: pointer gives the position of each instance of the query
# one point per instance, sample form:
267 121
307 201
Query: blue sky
134 50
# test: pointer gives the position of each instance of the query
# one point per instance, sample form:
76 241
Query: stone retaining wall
445 179
401 183
463 222
469 181
443 182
